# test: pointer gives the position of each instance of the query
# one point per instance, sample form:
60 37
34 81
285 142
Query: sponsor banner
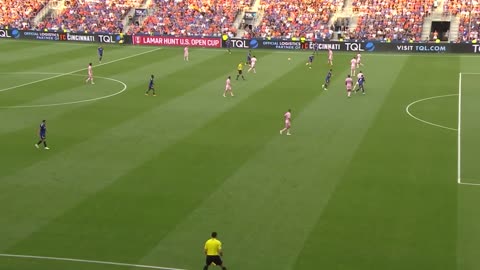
9 33
177 41
466 48
61 36
39 35
263 44
139 12
367 46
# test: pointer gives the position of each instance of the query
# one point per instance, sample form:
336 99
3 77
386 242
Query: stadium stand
19 13
191 17
469 14
390 19
296 18
96 16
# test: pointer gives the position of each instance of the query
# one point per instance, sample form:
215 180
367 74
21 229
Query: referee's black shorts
214 259
239 72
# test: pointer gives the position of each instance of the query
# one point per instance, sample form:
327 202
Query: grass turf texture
144 180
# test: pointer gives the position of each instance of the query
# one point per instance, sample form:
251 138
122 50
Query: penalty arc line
69 102
87 261
407 109
78 70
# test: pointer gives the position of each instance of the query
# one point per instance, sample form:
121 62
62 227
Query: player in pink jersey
330 57
185 53
90 74
253 62
228 87
288 119
359 60
353 66
348 85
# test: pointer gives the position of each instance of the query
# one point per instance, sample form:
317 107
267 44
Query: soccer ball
289 58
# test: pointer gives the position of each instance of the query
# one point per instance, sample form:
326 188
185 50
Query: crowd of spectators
99 16
469 13
390 20
191 17
297 18
387 20
19 13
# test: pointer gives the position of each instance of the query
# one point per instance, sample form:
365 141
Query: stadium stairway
454 25
52 8
130 14
437 15
345 12
253 8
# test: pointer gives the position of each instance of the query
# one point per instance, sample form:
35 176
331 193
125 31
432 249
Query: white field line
459 129
69 102
87 261
407 109
75 71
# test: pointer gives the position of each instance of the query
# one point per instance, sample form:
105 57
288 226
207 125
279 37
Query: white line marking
459 128
64 103
469 184
459 133
78 70
407 109
87 261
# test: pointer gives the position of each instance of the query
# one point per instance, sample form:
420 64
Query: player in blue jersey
361 82
249 57
228 43
310 61
315 48
100 54
43 135
327 80
151 86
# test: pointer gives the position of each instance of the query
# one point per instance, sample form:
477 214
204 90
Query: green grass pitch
144 180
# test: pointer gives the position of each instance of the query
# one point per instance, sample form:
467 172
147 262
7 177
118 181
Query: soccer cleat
325 89
36 145
93 83
224 96
46 148
288 134
146 94
154 95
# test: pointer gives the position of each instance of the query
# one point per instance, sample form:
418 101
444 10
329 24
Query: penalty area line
78 70
87 261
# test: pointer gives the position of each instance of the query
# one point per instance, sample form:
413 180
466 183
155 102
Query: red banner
177 41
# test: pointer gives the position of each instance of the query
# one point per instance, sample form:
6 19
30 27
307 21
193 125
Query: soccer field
363 183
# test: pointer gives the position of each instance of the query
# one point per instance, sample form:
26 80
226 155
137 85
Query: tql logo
4 34
108 38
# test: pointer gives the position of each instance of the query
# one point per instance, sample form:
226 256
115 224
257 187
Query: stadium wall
215 42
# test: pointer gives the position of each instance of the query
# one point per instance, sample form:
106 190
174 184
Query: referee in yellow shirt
213 251
240 71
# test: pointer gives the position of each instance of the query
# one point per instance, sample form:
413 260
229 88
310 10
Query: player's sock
45 143
243 77
39 142
349 93
237 77
36 145
205 267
